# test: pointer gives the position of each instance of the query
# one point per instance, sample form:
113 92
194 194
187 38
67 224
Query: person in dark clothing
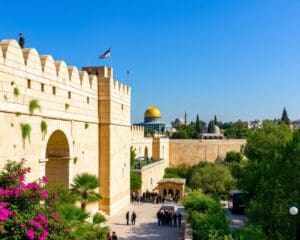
114 236
108 236
179 216
175 219
133 217
21 40
127 218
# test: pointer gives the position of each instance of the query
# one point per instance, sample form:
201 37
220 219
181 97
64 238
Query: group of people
112 236
169 218
133 218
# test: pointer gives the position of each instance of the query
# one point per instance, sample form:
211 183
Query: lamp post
294 211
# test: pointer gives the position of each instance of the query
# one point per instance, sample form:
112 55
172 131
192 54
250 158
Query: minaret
185 118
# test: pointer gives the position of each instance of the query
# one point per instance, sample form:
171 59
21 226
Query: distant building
152 120
178 122
253 125
296 123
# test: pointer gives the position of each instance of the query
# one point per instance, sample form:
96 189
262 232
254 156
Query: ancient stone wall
191 152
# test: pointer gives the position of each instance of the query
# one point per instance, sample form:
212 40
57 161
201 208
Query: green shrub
86 125
135 181
206 216
233 156
249 232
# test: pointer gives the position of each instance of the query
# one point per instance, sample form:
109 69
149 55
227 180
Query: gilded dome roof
152 112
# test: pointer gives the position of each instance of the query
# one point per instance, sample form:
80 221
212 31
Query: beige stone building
64 122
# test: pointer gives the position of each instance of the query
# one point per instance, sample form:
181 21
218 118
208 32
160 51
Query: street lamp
294 211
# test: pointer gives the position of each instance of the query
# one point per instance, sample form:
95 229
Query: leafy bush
233 156
135 181
206 216
212 178
16 91
29 211
249 232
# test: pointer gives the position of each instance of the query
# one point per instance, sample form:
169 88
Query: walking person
114 236
133 217
179 216
21 40
175 219
127 217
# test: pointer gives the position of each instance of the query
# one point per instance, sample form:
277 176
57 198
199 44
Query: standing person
133 217
179 216
114 236
21 40
127 217
175 219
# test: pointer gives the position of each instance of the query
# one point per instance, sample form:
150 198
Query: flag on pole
106 54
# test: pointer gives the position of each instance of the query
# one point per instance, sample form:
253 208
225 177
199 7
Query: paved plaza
146 224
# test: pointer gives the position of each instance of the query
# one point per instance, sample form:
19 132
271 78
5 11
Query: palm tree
83 188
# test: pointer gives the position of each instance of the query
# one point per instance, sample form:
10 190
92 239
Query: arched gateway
58 156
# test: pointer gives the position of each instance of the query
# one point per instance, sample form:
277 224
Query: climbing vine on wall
26 130
33 105
86 125
44 128
16 91
67 105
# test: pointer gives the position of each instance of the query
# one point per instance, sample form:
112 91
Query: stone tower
114 140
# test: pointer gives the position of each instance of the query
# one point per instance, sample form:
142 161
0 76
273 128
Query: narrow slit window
54 90
42 87
28 83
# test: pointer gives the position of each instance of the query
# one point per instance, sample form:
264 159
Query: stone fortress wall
87 116
191 152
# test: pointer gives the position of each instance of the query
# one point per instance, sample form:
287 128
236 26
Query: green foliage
72 214
206 216
67 105
98 218
84 188
250 232
34 105
214 178
272 177
284 117
148 132
135 181
236 130
5 97
64 196
180 134
75 160
26 130
197 125
44 128
233 156
181 171
86 125
16 91
211 127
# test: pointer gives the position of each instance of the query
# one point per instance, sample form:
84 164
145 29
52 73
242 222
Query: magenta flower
44 235
44 194
35 223
45 179
30 234
2 191
42 219
4 213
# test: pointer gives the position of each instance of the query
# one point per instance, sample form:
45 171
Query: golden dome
152 112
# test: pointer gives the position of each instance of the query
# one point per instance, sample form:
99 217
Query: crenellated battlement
105 76
28 62
137 128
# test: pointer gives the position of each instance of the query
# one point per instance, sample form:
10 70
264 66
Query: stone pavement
146 227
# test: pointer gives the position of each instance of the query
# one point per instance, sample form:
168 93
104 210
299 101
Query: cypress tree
211 127
197 126
284 117
215 120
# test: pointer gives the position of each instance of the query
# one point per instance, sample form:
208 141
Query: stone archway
58 156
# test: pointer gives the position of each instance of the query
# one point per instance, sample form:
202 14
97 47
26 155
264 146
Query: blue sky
237 59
